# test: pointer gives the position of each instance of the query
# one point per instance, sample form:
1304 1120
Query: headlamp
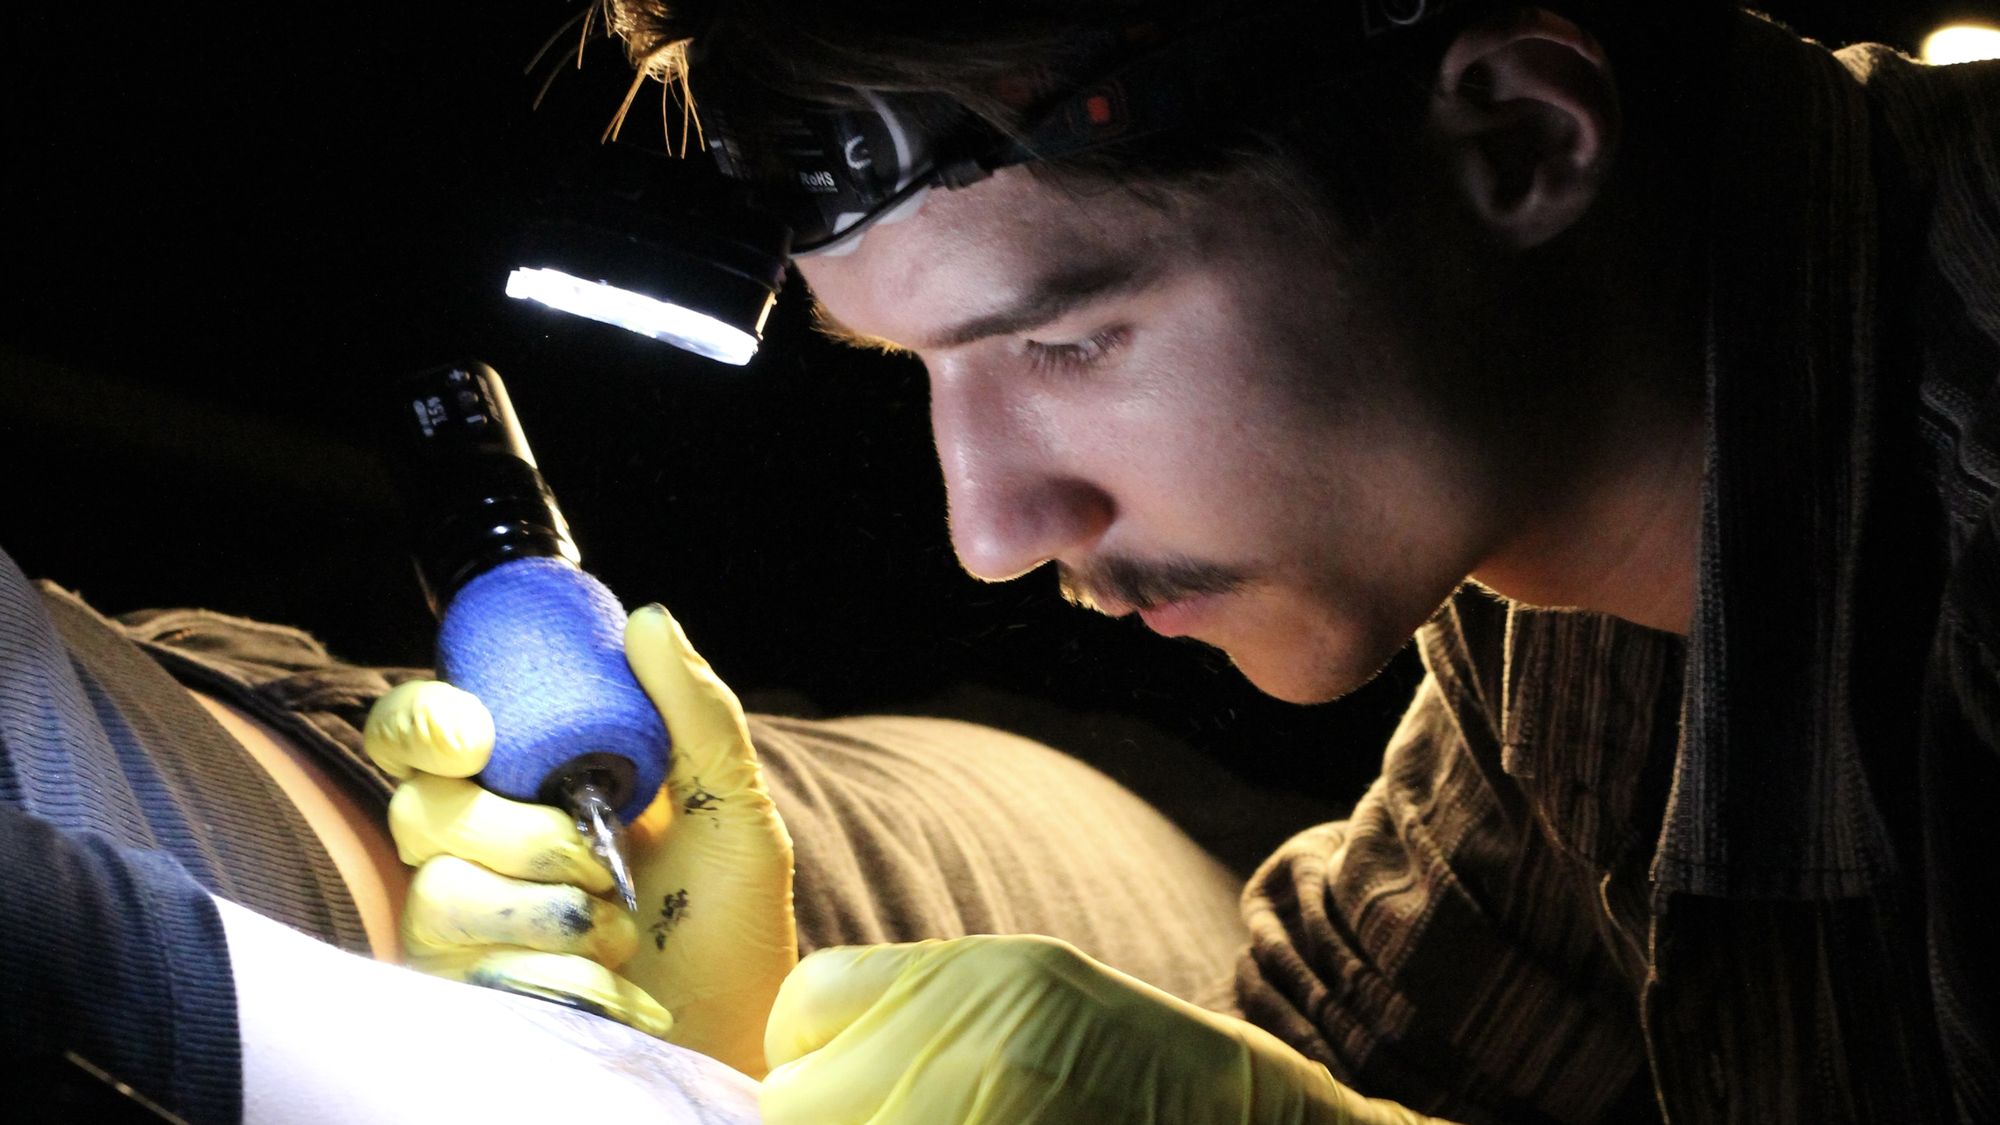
624 242
704 278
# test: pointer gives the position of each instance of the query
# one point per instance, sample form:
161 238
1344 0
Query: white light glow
596 300
1960 43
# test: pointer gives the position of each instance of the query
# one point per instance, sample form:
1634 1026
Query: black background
225 229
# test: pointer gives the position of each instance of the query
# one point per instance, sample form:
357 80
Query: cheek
1249 397
1300 442
1209 425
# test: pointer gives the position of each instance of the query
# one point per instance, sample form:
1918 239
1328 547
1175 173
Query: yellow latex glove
505 894
1012 1030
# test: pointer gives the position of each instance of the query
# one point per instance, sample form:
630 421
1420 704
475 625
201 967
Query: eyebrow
1049 297
826 325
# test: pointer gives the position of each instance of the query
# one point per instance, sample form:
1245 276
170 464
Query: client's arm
331 1037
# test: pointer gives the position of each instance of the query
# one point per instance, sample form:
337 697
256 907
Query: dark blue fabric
199 796
53 752
116 956
113 949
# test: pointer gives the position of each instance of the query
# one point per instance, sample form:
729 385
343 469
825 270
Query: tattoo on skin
677 1073
673 908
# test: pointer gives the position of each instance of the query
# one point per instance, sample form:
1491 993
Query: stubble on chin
1310 655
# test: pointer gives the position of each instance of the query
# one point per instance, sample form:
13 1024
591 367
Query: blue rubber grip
541 643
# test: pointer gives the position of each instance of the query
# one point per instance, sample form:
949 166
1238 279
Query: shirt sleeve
1432 949
117 957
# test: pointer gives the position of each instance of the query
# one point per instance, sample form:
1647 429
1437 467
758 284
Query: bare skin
357 840
1296 451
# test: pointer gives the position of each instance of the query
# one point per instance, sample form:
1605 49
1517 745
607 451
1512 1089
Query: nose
1014 502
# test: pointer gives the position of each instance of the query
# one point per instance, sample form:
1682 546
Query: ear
1528 117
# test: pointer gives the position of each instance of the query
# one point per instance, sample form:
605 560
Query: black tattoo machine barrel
521 625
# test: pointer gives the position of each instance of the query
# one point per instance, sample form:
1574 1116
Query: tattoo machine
521 625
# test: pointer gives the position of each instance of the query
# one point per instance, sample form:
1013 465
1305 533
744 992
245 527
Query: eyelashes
1078 356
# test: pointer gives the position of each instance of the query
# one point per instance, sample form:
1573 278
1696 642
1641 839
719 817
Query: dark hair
1343 158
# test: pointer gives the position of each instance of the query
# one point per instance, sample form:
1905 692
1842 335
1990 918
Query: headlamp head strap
839 170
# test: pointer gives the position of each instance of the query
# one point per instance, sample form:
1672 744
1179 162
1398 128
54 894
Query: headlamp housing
619 241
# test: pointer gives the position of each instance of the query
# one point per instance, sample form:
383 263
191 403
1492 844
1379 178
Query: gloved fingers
1348 1107
819 1090
829 990
571 981
989 1029
711 738
454 904
428 726
431 816
876 1034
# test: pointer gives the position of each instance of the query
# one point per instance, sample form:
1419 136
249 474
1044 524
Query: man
1676 336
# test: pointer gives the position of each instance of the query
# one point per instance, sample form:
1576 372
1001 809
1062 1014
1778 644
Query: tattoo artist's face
1206 417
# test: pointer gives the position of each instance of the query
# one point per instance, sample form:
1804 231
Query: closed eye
1077 356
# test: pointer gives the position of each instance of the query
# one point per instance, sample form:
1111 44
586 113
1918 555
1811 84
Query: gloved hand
505 893
989 1030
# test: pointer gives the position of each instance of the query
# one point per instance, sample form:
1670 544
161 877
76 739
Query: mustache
1131 584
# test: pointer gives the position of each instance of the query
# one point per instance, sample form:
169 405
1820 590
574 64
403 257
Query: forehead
965 250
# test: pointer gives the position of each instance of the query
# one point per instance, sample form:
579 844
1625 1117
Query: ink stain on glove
673 908
701 800
550 865
572 918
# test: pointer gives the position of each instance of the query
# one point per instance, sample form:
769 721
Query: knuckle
441 877
428 724
414 842
389 719
1032 954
